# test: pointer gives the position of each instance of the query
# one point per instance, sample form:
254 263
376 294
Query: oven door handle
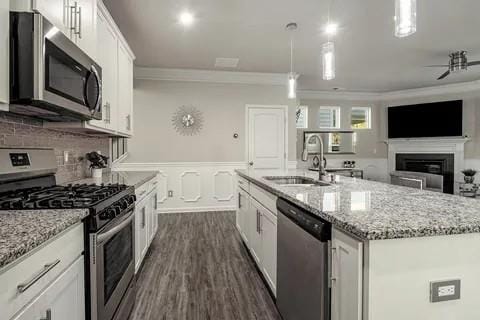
110 233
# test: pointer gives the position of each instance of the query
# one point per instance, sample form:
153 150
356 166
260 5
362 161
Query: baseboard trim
196 209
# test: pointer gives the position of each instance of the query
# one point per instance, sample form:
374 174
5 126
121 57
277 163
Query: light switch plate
444 290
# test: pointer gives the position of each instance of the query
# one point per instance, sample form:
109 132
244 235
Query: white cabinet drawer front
35 272
63 299
267 199
243 183
142 191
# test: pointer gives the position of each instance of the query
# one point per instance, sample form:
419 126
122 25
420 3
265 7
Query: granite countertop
24 230
373 210
131 178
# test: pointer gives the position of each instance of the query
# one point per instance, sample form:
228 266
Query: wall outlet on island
170 193
444 290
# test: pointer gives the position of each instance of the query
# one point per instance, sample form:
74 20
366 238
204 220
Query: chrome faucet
322 174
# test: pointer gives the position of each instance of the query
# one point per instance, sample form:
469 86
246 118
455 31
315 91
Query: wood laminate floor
198 269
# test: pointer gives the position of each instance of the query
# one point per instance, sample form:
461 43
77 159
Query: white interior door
266 137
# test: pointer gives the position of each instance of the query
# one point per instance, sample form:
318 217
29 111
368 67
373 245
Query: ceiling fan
458 62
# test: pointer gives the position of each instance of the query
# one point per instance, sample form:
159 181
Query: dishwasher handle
315 226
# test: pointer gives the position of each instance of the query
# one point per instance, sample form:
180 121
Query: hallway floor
198 269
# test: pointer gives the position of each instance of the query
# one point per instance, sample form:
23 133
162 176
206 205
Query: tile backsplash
19 131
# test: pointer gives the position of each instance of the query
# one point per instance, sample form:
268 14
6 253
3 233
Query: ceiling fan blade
444 75
474 63
437 65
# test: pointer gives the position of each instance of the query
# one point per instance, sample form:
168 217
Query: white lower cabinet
258 227
255 234
141 234
241 218
63 299
347 277
146 220
268 227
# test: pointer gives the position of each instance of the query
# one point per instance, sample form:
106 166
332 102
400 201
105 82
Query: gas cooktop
59 197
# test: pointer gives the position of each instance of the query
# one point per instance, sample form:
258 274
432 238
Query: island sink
296 180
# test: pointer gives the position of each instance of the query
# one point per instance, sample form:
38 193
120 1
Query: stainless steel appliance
303 288
51 77
27 181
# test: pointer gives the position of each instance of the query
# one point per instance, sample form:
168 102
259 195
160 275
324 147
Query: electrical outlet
170 193
66 156
444 290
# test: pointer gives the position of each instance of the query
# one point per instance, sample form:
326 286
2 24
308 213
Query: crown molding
279 79
454 88
212 76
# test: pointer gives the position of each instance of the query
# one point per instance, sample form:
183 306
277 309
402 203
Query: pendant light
328 60
328 52
405 17
292 76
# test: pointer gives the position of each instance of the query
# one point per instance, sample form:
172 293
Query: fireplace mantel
455 146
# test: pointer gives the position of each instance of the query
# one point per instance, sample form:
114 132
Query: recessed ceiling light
186 18
331 29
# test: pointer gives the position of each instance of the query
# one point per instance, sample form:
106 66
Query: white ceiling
369 57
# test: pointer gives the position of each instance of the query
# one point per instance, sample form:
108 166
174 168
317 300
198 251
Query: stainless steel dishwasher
303 290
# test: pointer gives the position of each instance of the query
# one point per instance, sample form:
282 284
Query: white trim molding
453 88
212 76
279 79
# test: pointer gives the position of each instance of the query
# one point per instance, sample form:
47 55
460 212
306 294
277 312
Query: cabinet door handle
259 230
128 123
79 32
73 19
239 201
21 288
143 218
48 315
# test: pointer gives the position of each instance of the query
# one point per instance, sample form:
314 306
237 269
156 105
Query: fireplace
436 163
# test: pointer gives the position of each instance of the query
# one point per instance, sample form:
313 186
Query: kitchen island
389 244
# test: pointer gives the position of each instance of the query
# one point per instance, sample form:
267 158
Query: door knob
251 163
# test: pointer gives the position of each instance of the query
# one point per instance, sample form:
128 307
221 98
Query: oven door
112 265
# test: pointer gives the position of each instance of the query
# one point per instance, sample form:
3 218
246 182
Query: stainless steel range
27 182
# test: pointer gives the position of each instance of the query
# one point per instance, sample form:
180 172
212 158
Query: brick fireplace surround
19 131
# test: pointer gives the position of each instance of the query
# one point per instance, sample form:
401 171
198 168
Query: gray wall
223 107
471 117
370 142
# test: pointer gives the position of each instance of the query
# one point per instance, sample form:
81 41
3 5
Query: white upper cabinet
107 57
125 91
85 35
58 12
75 18
4 57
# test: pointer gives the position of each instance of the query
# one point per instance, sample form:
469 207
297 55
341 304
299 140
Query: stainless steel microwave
51 78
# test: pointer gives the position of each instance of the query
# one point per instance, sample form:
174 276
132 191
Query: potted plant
97 163
469 175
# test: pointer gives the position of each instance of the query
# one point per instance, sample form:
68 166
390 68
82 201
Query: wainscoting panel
192 186
191 190
223 185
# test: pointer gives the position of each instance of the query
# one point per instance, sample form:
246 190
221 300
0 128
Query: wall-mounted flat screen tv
438 119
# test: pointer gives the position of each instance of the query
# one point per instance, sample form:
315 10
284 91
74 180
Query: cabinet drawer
243 183
267 199
36 271
146 188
